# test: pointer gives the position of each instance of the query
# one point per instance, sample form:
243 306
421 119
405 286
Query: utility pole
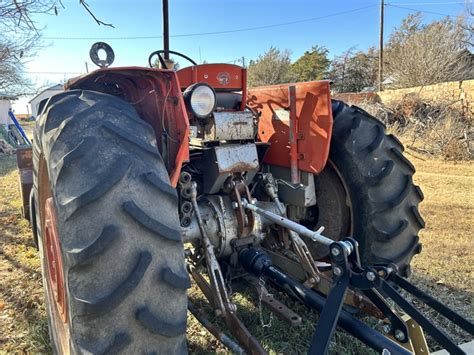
166 33
382 5
243 61
87 68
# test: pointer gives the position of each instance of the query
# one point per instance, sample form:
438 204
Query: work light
200 99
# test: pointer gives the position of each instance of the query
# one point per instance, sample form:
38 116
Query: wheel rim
54 260
53 275
333 210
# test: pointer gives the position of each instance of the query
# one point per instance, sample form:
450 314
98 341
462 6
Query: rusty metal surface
245 218
214 330
307 262
231 125
242 334
237 328
293 132
314 123
202 284
222 161
280 310
24 158
25 178
274 305
236 158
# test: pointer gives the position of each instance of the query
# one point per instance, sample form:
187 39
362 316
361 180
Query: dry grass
444 268
23 323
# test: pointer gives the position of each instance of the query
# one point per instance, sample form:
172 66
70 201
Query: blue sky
143 18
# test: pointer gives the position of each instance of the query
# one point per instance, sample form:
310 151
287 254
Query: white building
46 93
5 105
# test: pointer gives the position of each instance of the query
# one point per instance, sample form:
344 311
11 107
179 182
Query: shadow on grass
283 339
7 164
19 265
277 337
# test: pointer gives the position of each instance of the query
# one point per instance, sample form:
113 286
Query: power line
54 72
217 32
430 3
423 11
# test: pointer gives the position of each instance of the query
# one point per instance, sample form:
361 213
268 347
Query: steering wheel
162 61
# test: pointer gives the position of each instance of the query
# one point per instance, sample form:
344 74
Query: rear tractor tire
109 235
367 190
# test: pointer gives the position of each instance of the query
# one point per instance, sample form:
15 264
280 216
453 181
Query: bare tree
354 71
13 55
17 15
419 54
468 26
20 38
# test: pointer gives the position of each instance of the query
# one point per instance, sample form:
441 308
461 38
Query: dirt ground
444 268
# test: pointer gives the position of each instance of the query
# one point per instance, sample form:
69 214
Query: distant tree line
415 54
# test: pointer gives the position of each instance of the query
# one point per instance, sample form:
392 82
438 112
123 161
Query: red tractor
144 176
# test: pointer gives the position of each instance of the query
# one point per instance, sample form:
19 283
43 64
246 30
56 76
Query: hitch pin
289 224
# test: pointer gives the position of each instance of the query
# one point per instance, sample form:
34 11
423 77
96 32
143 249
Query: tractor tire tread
158 326
386 221
113 197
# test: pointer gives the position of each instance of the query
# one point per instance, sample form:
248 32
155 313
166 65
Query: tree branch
99 22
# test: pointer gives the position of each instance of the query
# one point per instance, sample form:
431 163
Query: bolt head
337 271
399 335
386 328
335 251
370 276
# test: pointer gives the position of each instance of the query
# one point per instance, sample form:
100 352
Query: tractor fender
154 93
310 105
